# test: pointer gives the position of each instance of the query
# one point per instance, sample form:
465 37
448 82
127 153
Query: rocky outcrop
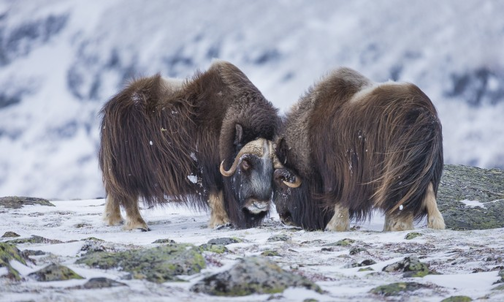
461 183
159 264
252 275
16 202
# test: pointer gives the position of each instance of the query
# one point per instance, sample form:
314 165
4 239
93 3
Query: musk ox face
286 185
251 177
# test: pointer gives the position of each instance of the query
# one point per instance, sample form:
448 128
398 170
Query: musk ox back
351 145
164 140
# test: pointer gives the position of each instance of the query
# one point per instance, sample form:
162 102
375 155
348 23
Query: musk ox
350 146
205 141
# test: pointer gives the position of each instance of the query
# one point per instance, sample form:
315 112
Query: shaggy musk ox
351 145
204 141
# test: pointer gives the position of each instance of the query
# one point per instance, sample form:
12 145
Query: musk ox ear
238 134
281 150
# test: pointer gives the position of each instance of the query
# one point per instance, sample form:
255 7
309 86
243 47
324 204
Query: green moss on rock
159 264
397 289
342 242
252 275
270 253
34 239
224 240
54 272
214 248
411 267
8 253
457 299
412 235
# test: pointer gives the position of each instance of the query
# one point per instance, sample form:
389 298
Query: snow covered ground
464 262
61 60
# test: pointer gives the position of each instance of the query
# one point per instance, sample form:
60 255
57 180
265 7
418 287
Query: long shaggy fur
362 146
157 136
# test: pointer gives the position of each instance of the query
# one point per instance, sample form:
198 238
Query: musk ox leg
340 221
218 217
133 218
112 214
434 218
398 222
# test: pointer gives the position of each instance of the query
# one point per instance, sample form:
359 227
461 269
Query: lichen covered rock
16 202
54 272
460 183
159 264
9 252
252 275
411 266
457 299
397 289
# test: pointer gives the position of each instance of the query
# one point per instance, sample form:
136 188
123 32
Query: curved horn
254 147
276 162
284 174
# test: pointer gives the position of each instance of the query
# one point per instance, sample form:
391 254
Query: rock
411 267
501 276
270 253
163 241
27 253
500 287
367 262
396 289
214 248
54 272
457 299
252 275
16 202
10 235
281 237
34 239
471 183
9 252
412 235
356 250
224 241
159 264
342 242
97 283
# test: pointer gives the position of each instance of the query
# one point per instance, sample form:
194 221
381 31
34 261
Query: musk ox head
251 177
286 184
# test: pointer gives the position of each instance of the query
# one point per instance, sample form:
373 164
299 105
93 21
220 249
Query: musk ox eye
245 165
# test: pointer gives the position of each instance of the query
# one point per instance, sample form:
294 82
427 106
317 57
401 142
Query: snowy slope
61 60
465 262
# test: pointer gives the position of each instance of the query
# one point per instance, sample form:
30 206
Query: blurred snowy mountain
60 61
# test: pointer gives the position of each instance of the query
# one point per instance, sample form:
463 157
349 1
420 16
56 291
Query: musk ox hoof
223 226
140 225
436 223
113 220
336 227
219 223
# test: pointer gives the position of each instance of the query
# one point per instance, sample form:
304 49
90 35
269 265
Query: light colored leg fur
340 221
133 218
434 218
394 223
112 214
218 216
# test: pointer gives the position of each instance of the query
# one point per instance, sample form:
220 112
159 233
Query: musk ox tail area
145 150
404 144
414 159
